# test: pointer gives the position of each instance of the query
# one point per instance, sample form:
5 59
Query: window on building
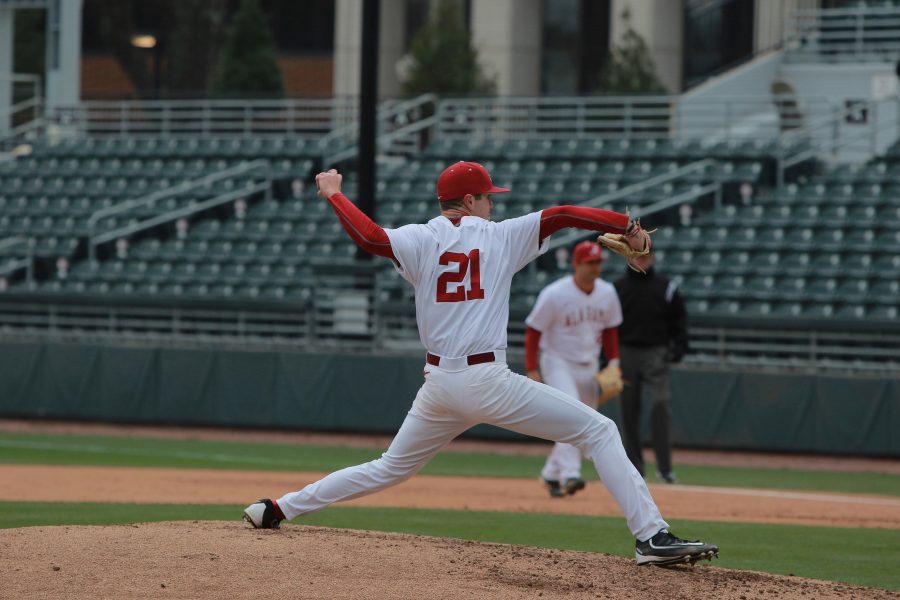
718 34
575 44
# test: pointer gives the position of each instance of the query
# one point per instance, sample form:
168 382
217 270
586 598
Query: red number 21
459 293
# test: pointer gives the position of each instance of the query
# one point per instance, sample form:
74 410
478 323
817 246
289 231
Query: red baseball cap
587 250
463 178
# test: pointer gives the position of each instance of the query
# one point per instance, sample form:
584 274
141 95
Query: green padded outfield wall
340 392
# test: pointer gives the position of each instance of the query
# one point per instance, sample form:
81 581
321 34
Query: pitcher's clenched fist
329 183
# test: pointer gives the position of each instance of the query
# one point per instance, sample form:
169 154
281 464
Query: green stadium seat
761 287
885 313
819 310
788 309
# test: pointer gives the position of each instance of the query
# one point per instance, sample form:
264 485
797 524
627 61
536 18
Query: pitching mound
203 559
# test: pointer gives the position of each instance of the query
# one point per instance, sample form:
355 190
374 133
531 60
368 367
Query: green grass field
198 454
860 556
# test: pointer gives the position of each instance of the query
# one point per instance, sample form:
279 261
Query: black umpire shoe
667 549
263 515
554 488
572 485
667 477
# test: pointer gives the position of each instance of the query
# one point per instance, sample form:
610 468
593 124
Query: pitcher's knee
391 470
601 429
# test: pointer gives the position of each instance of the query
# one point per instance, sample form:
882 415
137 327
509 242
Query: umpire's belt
453 364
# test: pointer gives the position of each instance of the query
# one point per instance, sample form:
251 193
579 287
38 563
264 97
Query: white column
661 24
348 43
507 35
7 31
63 55
772 17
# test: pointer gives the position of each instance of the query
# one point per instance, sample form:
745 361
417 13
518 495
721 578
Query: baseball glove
611 384
625 244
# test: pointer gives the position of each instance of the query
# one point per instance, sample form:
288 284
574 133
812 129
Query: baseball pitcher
461 266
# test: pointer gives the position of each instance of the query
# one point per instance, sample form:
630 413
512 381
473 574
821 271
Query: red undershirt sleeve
365 232
582 217
610 339
532 344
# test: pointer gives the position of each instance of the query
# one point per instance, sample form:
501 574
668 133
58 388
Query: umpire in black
652 335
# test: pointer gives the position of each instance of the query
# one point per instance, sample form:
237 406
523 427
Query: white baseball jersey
571 322
462 275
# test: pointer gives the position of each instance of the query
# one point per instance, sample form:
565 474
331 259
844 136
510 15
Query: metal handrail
26 262
34 102
96 239
175 190
837 139
845 33
207 117
386 110
383 140
386 114
618 117
172 215
289 324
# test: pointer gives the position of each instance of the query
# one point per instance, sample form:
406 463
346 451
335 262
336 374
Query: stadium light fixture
143 40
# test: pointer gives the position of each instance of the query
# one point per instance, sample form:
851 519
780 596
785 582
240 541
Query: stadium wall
356 393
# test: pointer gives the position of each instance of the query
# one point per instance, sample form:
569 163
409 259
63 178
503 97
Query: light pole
149 41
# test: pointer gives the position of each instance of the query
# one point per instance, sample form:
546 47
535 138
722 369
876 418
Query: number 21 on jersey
465 263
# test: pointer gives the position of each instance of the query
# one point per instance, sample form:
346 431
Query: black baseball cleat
263 514
553 487
572 485
666 549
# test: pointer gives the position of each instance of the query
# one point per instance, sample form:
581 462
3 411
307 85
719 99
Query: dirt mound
202 559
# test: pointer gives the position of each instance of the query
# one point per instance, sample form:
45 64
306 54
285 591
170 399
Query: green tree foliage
248 65
195 33
630 68
443 59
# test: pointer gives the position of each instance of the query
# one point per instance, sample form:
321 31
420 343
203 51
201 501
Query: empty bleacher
820 249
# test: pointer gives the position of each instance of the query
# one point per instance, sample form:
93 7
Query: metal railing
775 347
22 118
879 127
862 33
9 264
398 125
289 327
301 326
206 118
619 117
250 187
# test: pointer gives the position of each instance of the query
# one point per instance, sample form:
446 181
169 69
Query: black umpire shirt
653 312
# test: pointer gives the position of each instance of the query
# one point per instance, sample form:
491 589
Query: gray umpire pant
646 373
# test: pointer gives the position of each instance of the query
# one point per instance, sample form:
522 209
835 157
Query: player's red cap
463 178
587 250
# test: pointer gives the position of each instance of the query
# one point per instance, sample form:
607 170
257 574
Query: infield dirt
213 560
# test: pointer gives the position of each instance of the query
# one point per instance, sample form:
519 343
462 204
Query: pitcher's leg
418 439
535 409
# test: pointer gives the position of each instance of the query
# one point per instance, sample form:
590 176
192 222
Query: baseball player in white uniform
461 265
572 319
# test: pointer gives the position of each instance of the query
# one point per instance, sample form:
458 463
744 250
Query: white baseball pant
452 401
578 381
